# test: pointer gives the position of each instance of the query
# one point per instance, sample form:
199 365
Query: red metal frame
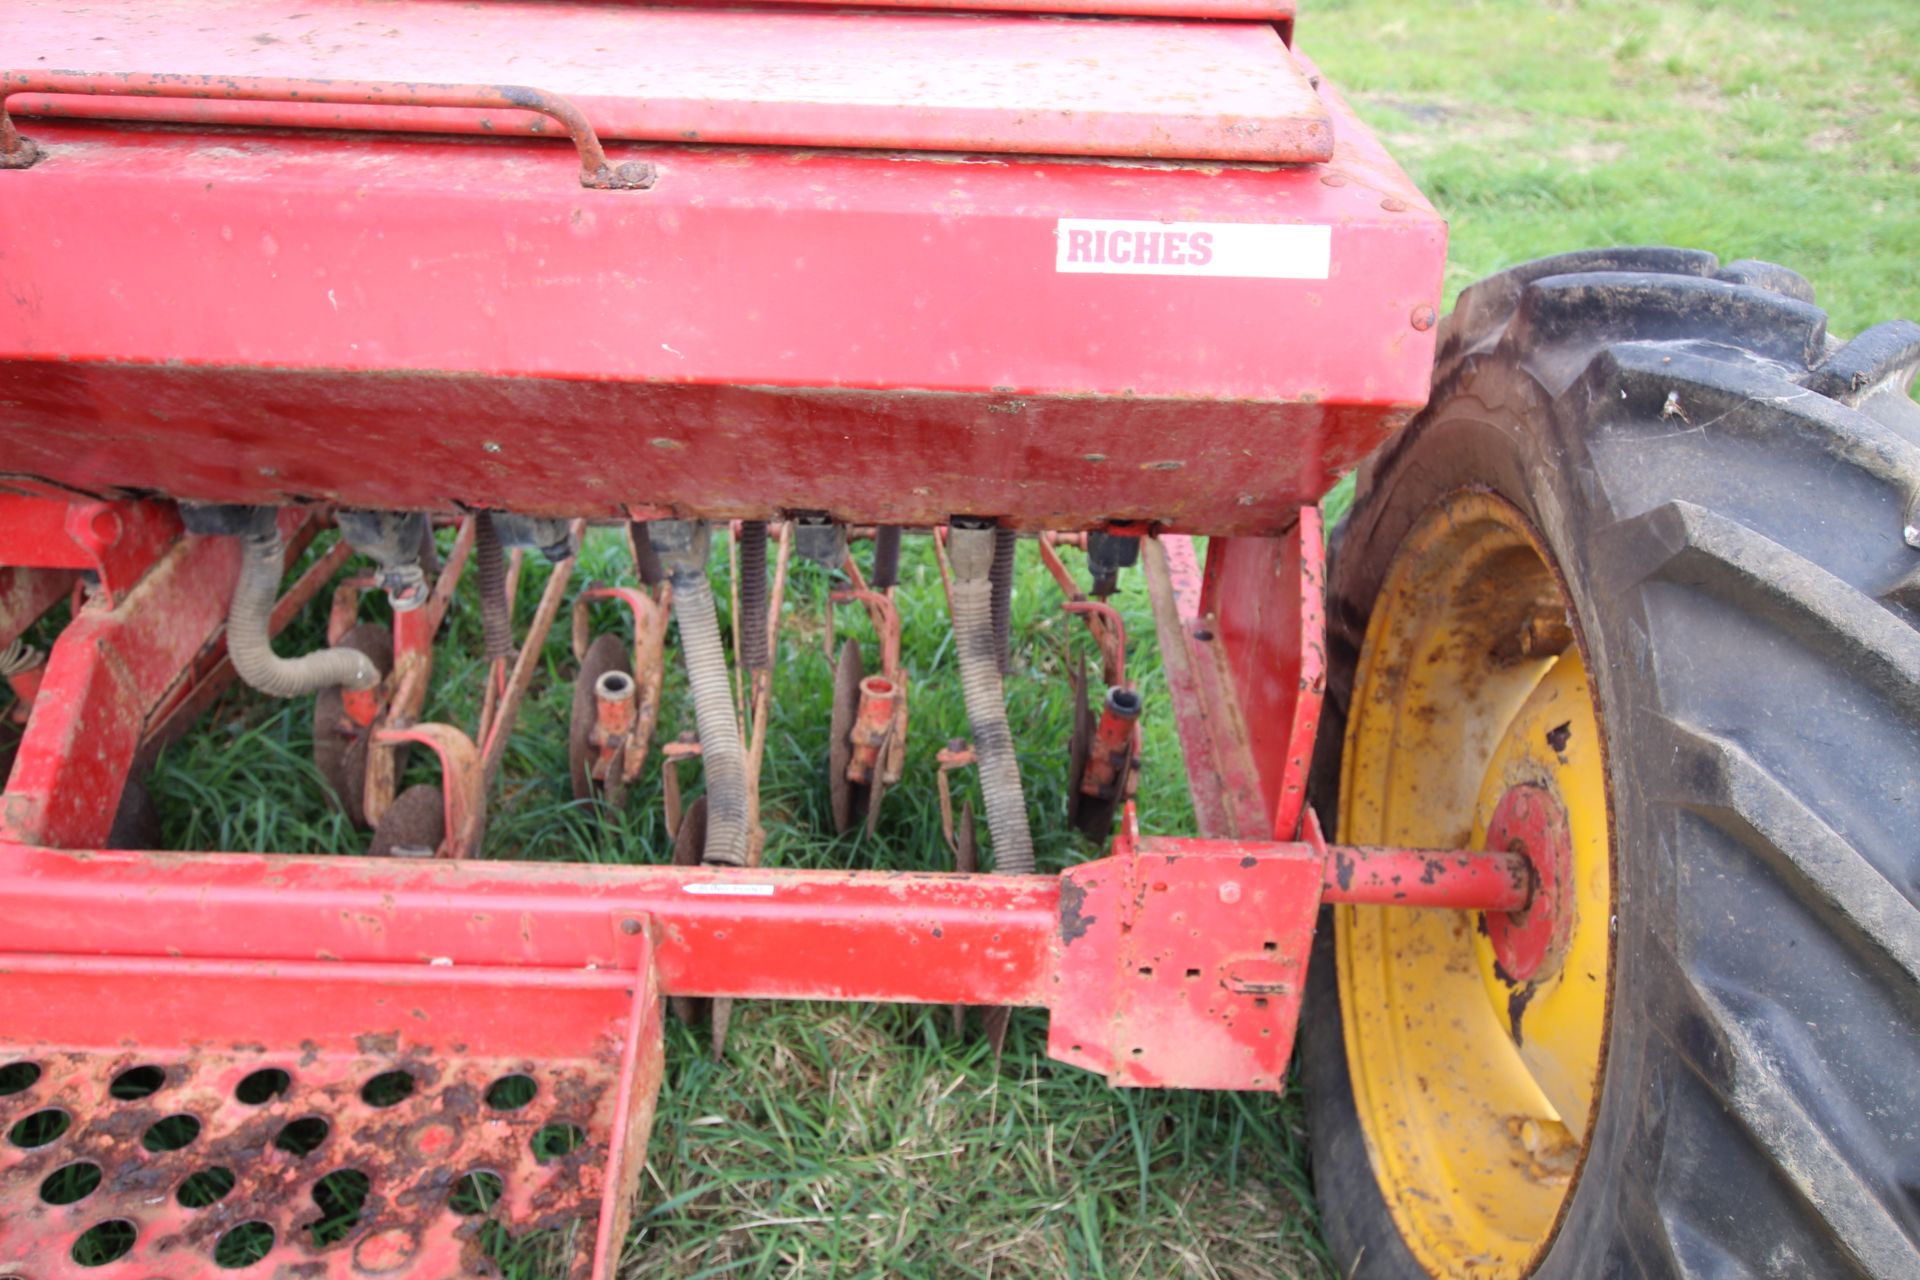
1168 963
426 323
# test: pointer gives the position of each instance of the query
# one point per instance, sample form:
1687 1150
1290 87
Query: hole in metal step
556 1140
70 1184
171 1134
303 1137
18 1077
243 1246
137 1082
510 1093
340 1196
104 1242
263 1086
40 1128
476 1194
207 1187
389 1088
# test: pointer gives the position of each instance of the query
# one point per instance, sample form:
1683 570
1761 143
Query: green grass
1753 128
853 1141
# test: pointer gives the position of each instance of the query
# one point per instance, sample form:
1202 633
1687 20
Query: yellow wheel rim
1474 1086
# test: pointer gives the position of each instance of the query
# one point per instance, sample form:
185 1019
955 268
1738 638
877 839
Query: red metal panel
1278 11
1264 608
1221 776
1246 657
1196 977
900 81
496 335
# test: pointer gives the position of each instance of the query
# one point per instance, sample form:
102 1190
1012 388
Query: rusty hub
1530 820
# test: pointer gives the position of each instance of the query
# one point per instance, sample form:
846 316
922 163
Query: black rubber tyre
1730 496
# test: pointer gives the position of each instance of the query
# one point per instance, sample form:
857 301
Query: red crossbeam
763 933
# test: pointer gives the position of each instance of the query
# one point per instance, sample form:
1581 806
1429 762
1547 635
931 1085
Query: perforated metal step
197 1118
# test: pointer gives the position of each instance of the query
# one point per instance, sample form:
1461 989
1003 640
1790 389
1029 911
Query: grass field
857 1141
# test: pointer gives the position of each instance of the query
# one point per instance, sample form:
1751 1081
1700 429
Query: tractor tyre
1637 594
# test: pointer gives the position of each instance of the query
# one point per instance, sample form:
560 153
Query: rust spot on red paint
1074 922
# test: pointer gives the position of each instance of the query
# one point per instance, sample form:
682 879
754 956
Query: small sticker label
1241 250
731 890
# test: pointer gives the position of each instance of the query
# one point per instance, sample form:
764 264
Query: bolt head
1229 891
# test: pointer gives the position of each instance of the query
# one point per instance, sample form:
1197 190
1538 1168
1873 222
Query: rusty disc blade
1080 743
690 841
340 758
136 823
606 653
845 795
688 844
415 822
966 860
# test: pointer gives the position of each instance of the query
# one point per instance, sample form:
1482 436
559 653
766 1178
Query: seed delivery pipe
250 644
754 653
1002 579
490 568
682 546
971 551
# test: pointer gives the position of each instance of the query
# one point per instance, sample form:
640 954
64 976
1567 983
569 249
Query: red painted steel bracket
148 644
117 542
1183 966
